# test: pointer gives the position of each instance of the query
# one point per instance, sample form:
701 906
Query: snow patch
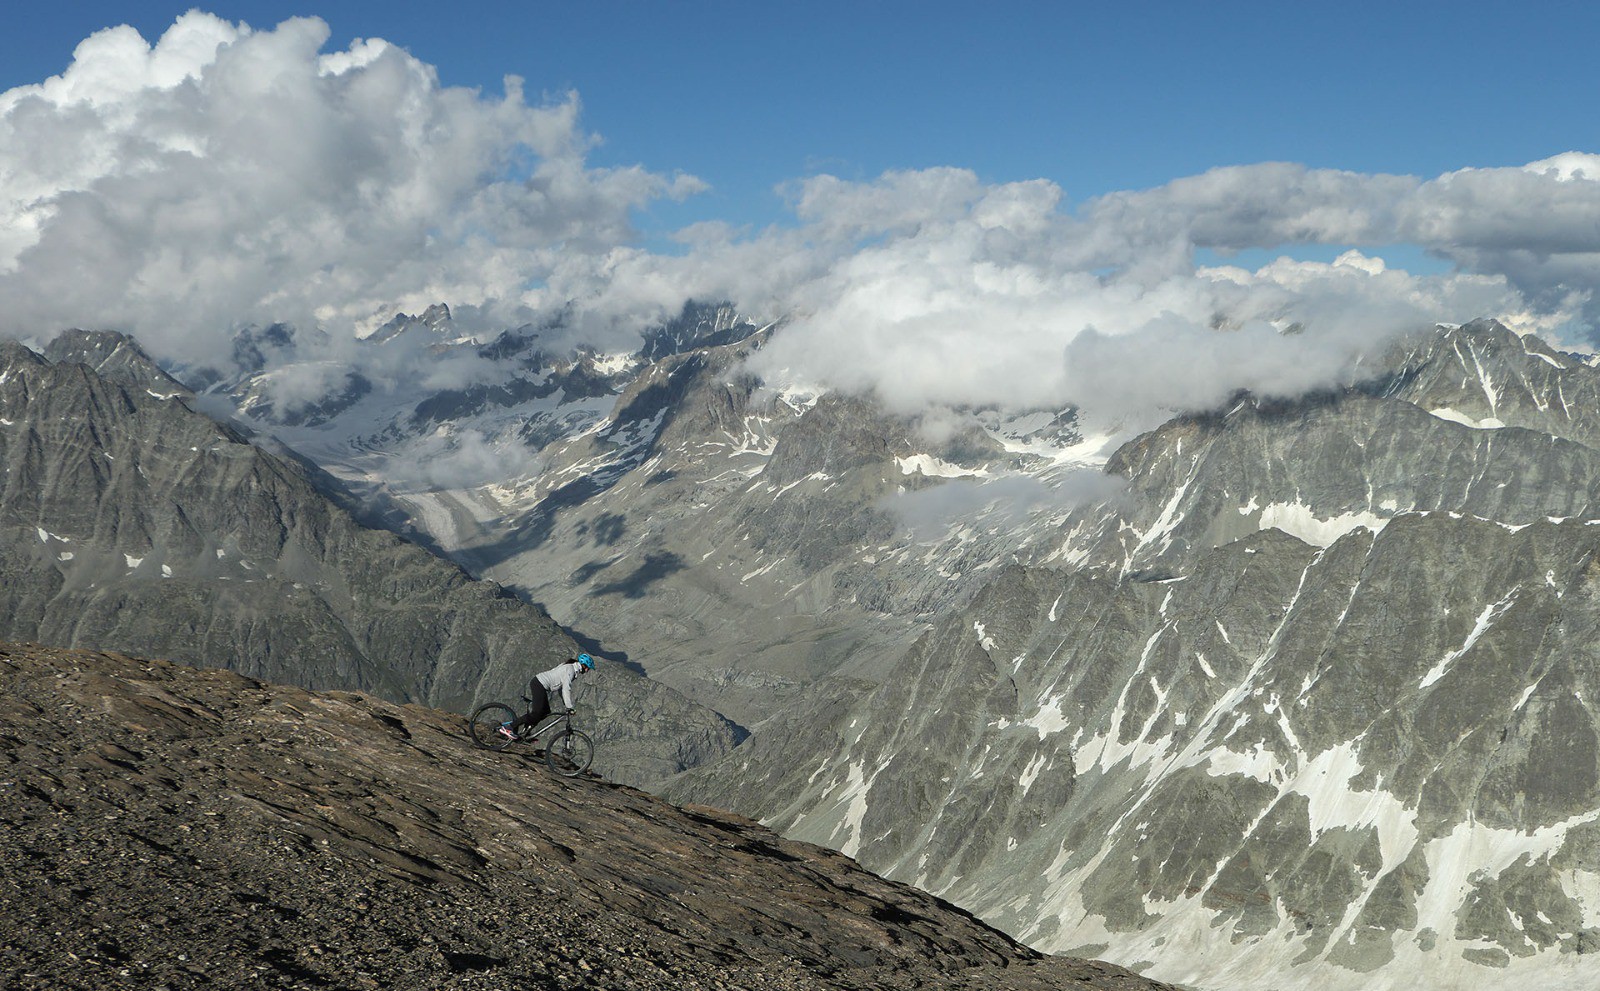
1455 416
853 796
984 640
800 397
613 364
1486 619
816 476
1090 452
761 570
1050 719
932 467
1030 774
1257 762
1299 520
1541 356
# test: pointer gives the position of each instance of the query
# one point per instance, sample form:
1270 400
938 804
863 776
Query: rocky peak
1485 376
840 434
15 354
116 356
254 348
435 316
699 325
435 319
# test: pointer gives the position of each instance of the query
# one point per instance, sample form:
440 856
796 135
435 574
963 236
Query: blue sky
947 203
1095 97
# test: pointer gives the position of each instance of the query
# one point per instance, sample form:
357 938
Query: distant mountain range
1292 693
738 539
1312 711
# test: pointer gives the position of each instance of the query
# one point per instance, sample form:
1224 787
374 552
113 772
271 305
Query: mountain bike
567 752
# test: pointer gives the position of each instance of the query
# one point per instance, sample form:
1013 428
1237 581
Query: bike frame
549 722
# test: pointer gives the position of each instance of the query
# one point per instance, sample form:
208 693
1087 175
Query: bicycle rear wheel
569 753
486 722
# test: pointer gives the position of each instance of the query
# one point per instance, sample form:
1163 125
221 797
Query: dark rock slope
162 826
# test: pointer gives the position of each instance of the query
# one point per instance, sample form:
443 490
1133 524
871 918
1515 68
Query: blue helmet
586 661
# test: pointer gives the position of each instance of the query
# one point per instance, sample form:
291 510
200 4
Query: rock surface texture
167 827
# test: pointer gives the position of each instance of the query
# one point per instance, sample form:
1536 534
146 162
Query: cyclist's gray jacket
561 677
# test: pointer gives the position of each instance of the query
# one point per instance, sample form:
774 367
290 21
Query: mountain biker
545 682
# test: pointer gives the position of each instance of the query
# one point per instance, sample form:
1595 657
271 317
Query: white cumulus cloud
225 177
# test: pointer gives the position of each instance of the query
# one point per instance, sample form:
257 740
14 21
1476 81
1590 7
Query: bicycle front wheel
569 753
486 722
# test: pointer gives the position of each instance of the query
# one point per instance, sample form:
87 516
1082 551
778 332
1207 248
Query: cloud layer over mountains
225 177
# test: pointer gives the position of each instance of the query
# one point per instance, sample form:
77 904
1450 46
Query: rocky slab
166 826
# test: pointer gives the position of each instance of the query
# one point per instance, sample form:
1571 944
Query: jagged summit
436 318
114 355
699 325
14 351
183 828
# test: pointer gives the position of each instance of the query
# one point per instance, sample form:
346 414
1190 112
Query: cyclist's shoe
507 732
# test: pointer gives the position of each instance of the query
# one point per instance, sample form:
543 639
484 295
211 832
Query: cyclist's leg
537 711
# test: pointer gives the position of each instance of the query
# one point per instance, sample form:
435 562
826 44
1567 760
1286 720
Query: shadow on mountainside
656 566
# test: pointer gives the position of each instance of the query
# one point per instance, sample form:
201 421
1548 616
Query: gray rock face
1321 468
1293 767
1484 374
700 325
114 356
132 522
